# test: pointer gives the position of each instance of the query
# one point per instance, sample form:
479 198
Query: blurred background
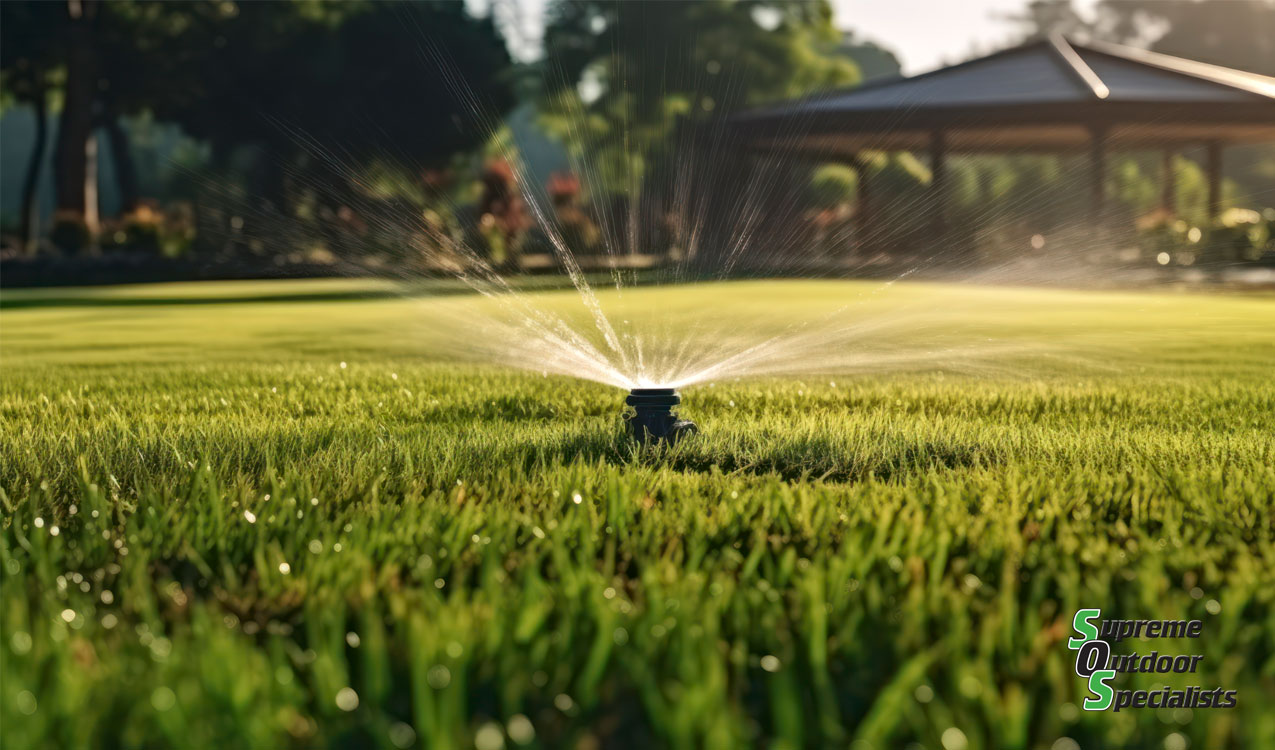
172 140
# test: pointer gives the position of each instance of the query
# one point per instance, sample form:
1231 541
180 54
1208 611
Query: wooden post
1213 170
1168 185
1097 174
938 183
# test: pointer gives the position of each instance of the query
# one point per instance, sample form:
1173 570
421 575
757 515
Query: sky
924 34
927 34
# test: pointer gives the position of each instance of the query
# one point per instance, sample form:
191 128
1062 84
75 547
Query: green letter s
1099 687
1082 625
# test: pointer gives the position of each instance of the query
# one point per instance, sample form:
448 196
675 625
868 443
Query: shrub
69 234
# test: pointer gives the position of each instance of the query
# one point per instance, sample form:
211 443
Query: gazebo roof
1048 95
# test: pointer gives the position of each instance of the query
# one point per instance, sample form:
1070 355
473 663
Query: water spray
653 420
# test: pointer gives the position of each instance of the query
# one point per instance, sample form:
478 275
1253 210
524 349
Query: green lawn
265 515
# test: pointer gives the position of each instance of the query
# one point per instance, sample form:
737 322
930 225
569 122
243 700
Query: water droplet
520 729
402 735
346 698
489 737
20 642
438 677
954 739
163 699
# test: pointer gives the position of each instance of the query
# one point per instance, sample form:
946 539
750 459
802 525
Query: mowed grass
216 534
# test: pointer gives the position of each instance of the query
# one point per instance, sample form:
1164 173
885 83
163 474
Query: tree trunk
31 183
125 167
75 132
91 216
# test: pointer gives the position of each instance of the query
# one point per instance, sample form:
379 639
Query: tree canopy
620 78
358 79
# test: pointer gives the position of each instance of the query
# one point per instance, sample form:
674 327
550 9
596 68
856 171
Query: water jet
653 419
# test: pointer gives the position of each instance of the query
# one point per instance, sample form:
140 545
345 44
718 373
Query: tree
636 91
1039 18
30 68
621 78
309 89
1236 34
95 55
275 87
872 60
75 159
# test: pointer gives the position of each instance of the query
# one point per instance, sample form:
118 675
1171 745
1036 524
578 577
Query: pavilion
1054 95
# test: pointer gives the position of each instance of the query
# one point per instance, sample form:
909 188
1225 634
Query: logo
1098 666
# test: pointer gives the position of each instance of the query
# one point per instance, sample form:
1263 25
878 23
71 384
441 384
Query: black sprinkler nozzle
653 419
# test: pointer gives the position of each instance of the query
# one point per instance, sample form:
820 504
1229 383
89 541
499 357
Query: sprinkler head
653 419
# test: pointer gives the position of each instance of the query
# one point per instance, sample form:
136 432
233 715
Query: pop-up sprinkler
653 419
